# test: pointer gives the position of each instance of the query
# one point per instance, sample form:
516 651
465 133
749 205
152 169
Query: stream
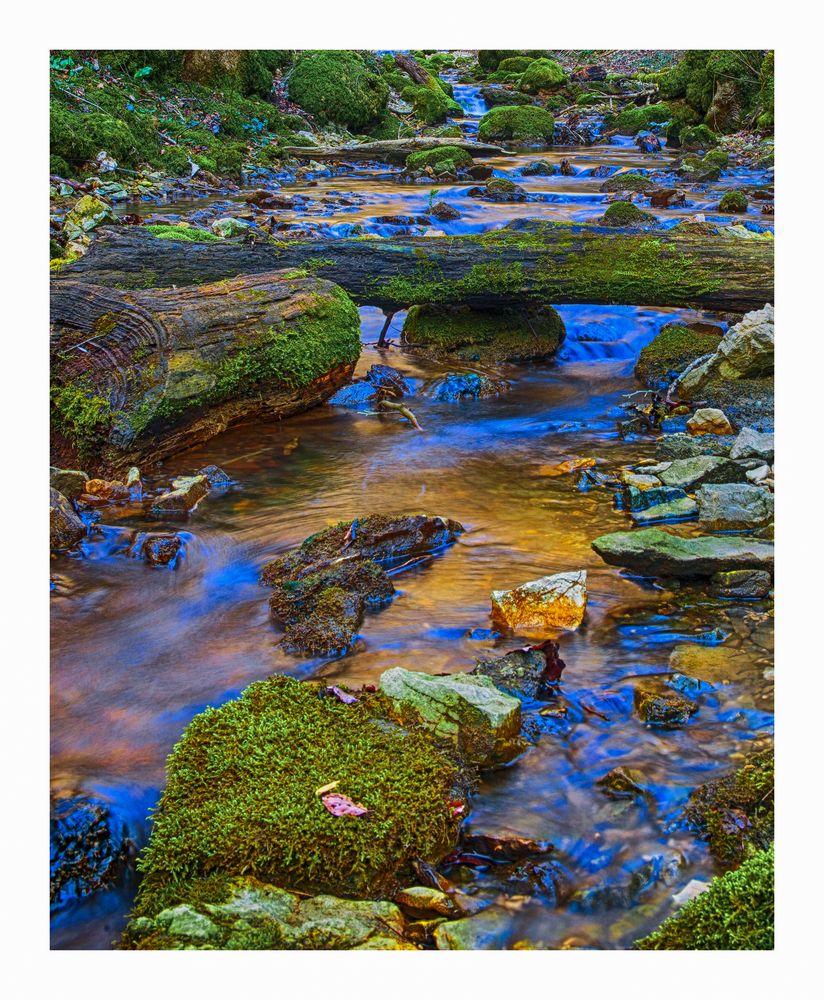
137 651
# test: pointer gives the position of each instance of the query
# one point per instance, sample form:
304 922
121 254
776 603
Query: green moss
632 120
736 913
241 798
337 86
76 137
442 158
624 213
526 123
674 347
486 335
514 64
697 137
736 813
733 201
247 71
490 59
80 416
191 234
390 127
58 166
430 104
540 75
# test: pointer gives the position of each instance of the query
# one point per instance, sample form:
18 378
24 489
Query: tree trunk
137 376
392 150
544 264
412 69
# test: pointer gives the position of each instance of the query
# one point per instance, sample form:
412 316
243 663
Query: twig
81 99
404 412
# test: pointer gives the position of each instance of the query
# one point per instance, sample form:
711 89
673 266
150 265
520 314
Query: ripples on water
137 651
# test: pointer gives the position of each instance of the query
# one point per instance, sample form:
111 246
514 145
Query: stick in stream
404 412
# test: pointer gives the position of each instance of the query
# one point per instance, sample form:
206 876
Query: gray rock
745 351
229 226
688 473
215 475
65 527
673 446
679 510
70 482
466 709
750 583
655 552
731 506
487 930
753 444
520 672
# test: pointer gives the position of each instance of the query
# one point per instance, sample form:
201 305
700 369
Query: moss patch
630 121
241 798
444 158
190 234
337 86
628 181
541 75
736 913
624 213
527 123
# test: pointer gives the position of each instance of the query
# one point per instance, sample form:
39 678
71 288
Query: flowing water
137 651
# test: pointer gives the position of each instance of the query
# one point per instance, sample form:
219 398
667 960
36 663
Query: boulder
468 385
688 473
751 583
673 510
70 482
525 673
640 480
635 499
487 930
215 475
228 227
188 492
444 212
709 421
734 506
672 446
745 351
421 901
751 443
655 552
552 602
86 215
65 527
160 549
466 709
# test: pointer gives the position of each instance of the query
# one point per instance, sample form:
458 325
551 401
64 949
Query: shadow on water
138 650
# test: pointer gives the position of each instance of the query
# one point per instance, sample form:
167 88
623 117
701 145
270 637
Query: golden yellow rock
562 468
553 602
709 421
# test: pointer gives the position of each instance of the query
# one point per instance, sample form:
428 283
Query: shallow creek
137 651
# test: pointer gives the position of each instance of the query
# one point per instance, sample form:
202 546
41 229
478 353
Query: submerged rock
321 589
160 549
713 665
734 506
65 527
624 783
557 601
526 673
256 916
654 552
490 929
466 709
468 385
752 583
658 705
214 475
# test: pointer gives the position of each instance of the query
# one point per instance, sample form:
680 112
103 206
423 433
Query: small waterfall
470 100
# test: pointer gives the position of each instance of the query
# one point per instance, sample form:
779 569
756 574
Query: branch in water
404 412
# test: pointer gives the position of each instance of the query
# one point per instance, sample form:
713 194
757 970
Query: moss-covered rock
541 75
624 213
242 798
337 86
430 104
673 348
86 215
698 137
733 201
736 913
630 180
526 123
632 120
514 64
442 159
484 335
248 71
735 813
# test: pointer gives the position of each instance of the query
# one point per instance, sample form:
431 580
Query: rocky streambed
535 689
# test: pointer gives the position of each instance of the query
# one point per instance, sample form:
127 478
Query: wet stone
523 672
65 527
554 602
635 499
675 510
70 482
468 385
689 473
731 506
188 491
750 583
673 446
657 705
215 475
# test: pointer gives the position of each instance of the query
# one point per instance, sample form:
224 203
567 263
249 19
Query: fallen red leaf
342 805
347 699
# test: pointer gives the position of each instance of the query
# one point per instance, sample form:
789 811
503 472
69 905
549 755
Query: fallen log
138 376
392 150
541 264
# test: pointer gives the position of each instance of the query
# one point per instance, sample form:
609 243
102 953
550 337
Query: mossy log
545 263
137 376
391 150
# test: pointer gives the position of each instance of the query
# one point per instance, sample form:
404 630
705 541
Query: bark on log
408 65
392 150
137 376
543 264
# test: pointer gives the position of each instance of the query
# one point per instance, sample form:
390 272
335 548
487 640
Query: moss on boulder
430 104
674 348
736 913
541 75
526 123
442 159
241 798
630 180
337 86
632 120
484 335
733 201
624 213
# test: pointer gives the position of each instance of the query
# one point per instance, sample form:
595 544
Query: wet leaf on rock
342 805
